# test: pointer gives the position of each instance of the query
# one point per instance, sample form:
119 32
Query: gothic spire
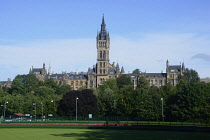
122 70
103 33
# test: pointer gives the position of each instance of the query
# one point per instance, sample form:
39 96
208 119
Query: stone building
103 70
6 83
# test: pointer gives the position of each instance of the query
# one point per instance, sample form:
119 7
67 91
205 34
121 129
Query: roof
174 68
19 114
155 75
36 71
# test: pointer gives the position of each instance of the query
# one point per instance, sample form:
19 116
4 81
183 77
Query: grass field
94 134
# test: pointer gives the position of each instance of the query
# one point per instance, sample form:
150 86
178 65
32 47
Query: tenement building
103 70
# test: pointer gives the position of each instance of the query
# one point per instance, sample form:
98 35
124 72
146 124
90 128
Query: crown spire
102 33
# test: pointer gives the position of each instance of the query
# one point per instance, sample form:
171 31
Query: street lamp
35 110
76 107
53 101
42 110
162 109
2 111
5 107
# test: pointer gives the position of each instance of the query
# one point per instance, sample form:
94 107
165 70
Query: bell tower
103 46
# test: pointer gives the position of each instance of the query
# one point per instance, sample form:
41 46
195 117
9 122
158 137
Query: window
104 55
104 71
76 82
100 54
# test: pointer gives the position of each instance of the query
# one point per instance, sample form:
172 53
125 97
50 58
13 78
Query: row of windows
103 54
173 76
102 43
102 80
102 64
77 82
102 71
156 81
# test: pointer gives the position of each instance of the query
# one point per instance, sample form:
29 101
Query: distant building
6 83
103 70
205 80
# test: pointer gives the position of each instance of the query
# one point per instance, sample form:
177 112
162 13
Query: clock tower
103 46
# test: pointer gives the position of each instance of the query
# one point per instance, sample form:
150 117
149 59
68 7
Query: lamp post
5 107
53 101
76 107
162 109
35 110
2 111
42 110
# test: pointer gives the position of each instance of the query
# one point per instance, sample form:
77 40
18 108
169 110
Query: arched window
100 54
104 55
100 71
104 71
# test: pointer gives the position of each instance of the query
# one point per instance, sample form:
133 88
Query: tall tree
123 80
86 103
136 71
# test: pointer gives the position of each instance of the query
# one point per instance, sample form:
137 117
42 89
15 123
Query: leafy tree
18 86
191 76
125 101
136 71
86 103
63 89
123 80
50 83
143 83
30 82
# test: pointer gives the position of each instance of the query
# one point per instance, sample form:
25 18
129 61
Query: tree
86 103
51 84
63 89
24 83
30 82
143 83
18 86
123 80
136 71
191 76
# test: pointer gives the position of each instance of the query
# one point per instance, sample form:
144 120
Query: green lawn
93 134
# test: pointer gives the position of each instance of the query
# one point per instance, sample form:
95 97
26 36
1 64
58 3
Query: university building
103 70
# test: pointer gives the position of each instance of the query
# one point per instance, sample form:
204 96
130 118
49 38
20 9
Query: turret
167 65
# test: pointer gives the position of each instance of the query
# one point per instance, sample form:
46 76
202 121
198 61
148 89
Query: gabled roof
155 75
174 68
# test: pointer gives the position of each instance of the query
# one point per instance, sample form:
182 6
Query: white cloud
148 52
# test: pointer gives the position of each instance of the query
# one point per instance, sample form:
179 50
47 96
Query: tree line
188 101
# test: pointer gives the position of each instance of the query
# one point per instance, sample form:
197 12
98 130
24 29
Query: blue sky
144 34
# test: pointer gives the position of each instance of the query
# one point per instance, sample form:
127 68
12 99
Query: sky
144 34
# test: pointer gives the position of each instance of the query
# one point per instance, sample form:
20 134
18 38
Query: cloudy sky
144 34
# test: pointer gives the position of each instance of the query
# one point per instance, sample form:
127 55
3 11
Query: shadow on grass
107 134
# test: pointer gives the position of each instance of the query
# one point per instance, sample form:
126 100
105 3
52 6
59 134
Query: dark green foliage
86 103
63 89
123 80
189 101
50 83
143 83
136 71
24 83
